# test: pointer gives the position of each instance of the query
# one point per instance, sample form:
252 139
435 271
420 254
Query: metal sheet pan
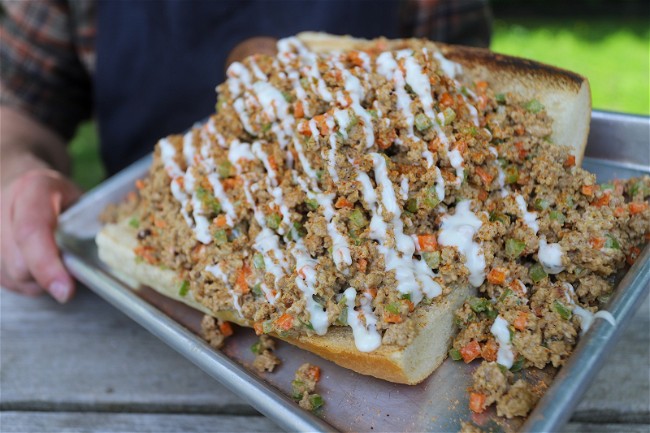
619 146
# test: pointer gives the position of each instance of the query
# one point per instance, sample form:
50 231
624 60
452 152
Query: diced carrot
410 304
434 144
521 321
446 100
298 110
570 161
314 372
241 285
304 129
633 255
516 286
343 202
225 329
636 208
484 175
470 351
161 224
476 402
362 265
520 130
602 201
392 317
321 121
619 186
146 253
354 58
520 150
619 211
139 183
220 221
285 322
497 275
482 195
588 190
428 243
131 196
180 181
481 87
597 243
231 183
273 163
372 292
461 146
257 326
489 350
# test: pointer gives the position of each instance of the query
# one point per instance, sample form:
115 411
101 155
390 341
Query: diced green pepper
511 173
286 96
393 307
311 204
373 113
431 200
606 186
558 216
505 294
500 98
184 289
537 273
316 401
412 205
514 247
500 217
134 222
220 237
432 259
208 200
357 219
297 388
225 169
612 242
257 290
258 261
478 305
343 317
267 326
518 365
562 310
255 347
422 122
273 221
455 354
297 231
534 106
541 204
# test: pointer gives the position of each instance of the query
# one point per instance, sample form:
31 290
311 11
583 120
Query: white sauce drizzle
586 316
530 218
500 330
550 256
366 337
218 273
458 230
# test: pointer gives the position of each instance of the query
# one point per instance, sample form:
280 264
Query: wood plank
82 422
575 427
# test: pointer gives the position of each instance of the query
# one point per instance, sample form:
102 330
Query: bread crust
566 97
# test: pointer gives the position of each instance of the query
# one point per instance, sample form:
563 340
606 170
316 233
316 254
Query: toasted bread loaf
567 100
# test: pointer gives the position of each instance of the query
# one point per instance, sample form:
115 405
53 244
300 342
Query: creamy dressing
586 316
458 231
440 185
366 337
550 256
306 280
501 333
456 160
404 188
217 272
530 218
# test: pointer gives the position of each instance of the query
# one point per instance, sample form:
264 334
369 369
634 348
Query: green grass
613 54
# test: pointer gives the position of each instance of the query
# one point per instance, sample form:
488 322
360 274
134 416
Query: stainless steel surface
355 402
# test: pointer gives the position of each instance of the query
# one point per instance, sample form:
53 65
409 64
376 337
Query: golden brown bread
567 99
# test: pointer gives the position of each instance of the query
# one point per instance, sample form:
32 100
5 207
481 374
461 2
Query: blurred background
607 41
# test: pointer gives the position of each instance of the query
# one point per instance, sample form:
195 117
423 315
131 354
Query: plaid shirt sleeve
42 44
460 22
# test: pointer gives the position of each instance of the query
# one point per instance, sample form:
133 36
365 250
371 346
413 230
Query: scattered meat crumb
265 359
214 331
304 385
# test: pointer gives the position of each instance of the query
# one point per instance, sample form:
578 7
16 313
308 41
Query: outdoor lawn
613 53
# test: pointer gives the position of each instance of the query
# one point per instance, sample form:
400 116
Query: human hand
29 257
250 46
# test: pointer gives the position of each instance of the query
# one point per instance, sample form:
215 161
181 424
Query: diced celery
273 221
518 364
455 354
432 259
134 222
255 347
422 122
287 96
343 317
514 248
220 237
258 261
297 231
534 106
208 200
316 401
500 217
537 273
500 97
558 216
257 290
511 173
478 305
412 205
184 289
450 115
311 204
606 186
373 113
225 169
612 242
393 307
541 204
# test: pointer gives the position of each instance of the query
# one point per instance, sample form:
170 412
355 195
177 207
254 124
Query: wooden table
85 367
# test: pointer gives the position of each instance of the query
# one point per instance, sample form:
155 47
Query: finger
257 45
14 267
29 288
34 234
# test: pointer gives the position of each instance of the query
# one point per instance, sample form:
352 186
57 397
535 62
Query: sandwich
347 196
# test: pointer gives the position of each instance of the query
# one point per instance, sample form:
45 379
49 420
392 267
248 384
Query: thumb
257 45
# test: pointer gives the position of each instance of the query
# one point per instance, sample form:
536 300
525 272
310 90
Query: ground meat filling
265 359
304 385
327 190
